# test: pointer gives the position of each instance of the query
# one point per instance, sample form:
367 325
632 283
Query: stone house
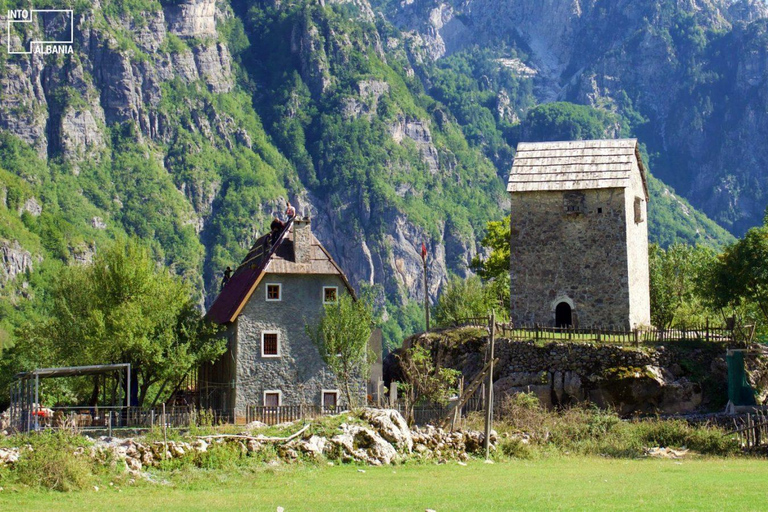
579 235
280 287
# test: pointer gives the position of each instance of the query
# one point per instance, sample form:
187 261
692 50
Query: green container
739 390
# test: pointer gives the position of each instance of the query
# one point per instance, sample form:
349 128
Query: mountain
689 78
187 123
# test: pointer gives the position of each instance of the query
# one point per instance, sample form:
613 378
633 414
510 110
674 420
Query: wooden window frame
279 348
638 206
336 288
329 391
277 392
279 292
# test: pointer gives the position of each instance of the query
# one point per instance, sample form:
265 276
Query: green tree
341 335
124 308
424 381
675 277
462 298
740 275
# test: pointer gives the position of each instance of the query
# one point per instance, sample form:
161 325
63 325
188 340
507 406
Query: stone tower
579 235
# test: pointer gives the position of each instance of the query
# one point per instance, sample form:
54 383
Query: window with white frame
330 399
330 294
274 292
270 344
273 398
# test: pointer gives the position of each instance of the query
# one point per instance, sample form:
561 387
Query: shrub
53 464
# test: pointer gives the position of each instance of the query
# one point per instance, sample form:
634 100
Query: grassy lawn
547 484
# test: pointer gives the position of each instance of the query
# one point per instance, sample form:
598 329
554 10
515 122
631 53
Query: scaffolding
26 412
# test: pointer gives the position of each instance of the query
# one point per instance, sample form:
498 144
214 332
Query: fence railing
615 336
109 417
753 431
273 415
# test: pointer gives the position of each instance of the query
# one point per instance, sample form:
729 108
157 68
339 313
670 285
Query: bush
588 430
52 464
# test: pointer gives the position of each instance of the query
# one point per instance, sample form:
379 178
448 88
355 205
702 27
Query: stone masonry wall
637 253
299 373
580 258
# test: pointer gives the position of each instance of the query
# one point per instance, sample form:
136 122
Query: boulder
364 445
391 425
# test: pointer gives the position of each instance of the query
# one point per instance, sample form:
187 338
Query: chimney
302 240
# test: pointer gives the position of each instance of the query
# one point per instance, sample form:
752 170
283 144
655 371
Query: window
574 203
329 294
274 292
638 210
330 398
599 210
270 344
273 398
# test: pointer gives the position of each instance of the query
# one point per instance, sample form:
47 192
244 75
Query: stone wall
577 258
637 252
299 373
677 378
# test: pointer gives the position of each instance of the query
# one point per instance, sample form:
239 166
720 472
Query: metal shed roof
575 165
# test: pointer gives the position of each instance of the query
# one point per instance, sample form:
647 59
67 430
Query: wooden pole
489 400
165 435
426 291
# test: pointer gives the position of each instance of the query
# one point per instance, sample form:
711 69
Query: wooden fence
615 336
752 430
271 415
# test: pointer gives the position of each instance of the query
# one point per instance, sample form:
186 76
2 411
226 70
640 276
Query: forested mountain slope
187 123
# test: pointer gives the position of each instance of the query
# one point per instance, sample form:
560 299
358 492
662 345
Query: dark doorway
563 317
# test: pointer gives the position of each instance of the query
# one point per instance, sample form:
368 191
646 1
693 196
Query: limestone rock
390 424
364 445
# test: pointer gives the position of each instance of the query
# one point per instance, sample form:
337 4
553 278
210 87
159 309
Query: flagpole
426 290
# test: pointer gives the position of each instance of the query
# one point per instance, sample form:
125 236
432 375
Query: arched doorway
563 315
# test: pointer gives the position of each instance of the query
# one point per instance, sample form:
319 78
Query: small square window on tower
574 203
330 294
274 292
639 210
270 344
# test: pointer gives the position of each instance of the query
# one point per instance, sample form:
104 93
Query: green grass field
547 484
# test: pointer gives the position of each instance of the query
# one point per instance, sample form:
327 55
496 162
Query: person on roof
227 275
277 227
290 211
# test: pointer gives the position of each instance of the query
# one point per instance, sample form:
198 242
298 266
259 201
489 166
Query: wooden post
165 434
707 329
489 401
426 289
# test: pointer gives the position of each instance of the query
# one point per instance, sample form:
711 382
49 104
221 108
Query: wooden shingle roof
263 259
575 165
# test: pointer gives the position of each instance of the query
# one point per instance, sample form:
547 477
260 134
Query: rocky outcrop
14 260
418 132
111 84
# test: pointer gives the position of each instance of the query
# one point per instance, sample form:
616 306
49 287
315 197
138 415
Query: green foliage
740 275
52 464
122 309
424 381
675 276
461 299
471 298
566 121
342 336
497 239
587 430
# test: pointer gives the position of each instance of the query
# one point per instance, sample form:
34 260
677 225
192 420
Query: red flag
423 251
